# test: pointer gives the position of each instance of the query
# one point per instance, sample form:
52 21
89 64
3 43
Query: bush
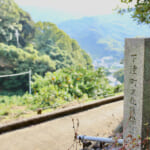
69 84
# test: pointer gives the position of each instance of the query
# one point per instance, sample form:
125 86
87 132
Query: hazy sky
74 7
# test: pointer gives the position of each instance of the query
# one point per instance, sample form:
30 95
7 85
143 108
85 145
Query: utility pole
17 37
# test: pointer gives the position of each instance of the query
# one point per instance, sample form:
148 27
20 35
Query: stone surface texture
137 90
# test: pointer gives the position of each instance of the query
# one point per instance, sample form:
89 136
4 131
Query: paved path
58 134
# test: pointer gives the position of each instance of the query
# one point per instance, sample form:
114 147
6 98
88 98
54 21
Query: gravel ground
58 134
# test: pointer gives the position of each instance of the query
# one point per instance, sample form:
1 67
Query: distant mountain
103 36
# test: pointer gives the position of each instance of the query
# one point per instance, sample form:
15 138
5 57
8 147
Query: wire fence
13 75
19 74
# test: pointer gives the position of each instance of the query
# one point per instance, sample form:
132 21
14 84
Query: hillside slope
26 45
103 36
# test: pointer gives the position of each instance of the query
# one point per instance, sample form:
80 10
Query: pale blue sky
78 8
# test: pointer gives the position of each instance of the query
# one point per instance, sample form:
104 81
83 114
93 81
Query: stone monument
137 92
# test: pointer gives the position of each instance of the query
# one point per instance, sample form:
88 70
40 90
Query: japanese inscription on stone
137 89
133 91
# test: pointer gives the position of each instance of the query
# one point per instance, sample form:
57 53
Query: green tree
43 46
70 83
14 60
141 10
52 41
12 20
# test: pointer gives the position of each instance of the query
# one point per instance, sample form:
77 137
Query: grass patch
17 107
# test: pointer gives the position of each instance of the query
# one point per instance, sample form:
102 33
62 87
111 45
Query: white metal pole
29 81
100 139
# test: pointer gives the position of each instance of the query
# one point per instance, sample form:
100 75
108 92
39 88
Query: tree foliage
55 43
59 88
15 60
69 84
12 20
141 10
61 70
43 47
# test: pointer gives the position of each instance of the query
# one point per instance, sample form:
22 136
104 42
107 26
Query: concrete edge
56 114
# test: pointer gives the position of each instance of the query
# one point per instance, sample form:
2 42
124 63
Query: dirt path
58 134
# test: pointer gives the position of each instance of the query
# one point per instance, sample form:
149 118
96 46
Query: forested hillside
61 70
26 45
14 20
103 36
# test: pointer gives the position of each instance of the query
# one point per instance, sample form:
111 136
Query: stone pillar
137 92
